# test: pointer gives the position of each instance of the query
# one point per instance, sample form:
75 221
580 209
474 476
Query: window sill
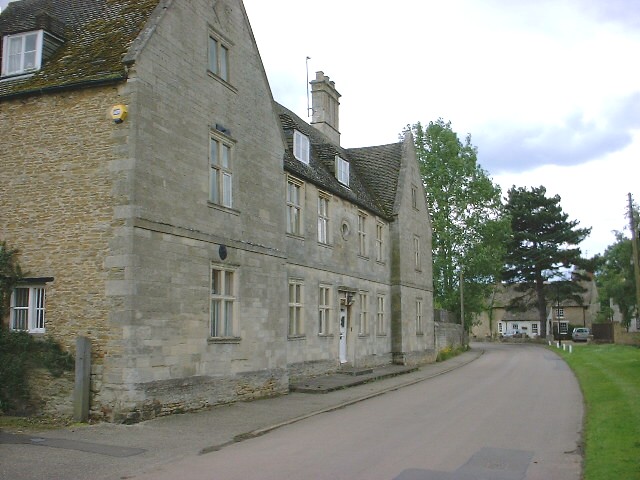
325 245
296 337
218 78
363 335
222 208
325 335
381 334
224 340
295 236
363 257
419 334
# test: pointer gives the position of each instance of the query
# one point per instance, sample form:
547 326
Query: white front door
343 335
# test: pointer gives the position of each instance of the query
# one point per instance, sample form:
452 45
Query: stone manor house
211 244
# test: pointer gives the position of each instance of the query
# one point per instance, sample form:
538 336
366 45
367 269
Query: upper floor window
220 172
222 302
379 242
301 146
560 312
362 234
219 57
419 327
416 252
21 53
342 171
323 218
414 197
294 207
27 309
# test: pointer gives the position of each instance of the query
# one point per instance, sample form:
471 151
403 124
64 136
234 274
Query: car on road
580 334
511 334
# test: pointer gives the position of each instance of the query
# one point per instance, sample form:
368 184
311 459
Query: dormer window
342 171
21 53
301 146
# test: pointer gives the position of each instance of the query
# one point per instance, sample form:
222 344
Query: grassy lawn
609 376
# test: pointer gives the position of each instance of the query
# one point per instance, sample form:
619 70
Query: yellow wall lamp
119 113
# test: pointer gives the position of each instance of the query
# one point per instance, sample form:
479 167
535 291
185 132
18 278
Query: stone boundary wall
448 335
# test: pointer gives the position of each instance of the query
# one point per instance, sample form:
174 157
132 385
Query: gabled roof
504 294
373 171
95 33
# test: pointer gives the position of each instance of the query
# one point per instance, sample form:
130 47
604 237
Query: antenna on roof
308 106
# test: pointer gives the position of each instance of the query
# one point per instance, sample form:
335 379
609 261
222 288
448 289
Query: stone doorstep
338 380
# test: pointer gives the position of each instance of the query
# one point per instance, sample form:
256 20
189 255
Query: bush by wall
19 354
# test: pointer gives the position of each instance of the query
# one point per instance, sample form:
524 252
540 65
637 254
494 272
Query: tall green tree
465 208
616 280
543 244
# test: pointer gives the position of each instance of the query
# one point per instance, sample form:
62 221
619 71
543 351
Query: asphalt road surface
513 414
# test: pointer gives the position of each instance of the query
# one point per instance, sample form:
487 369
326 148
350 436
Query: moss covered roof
373 171
96 34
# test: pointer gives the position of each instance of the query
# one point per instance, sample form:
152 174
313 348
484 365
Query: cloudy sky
548 89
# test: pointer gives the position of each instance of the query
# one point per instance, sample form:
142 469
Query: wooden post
82 380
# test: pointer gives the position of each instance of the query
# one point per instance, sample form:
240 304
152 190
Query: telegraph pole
634 245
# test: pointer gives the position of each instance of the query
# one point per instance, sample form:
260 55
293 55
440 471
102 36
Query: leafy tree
10 273
465 208
543 243
616 279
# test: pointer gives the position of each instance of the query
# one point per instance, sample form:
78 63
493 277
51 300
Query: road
513 414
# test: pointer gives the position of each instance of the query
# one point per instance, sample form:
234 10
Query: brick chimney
325 106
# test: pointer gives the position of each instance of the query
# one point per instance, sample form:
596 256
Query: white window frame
29 316
220 170
363 327
499 327
223 302
296 308
323 218
564 327
294 206
560 312
380 320
342 170
534 328
362 234
324 309
301 146
419 323
218 51
22 38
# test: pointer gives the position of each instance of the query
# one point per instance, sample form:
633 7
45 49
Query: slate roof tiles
96 34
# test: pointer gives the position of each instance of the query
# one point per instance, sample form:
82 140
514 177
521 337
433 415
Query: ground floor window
295 308
534 328
28 309
564 327
380 324
324 308
364 314
500 327
419 317
223 302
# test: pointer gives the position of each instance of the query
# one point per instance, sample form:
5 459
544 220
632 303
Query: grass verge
609 376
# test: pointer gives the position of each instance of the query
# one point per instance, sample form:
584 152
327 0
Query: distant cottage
211 244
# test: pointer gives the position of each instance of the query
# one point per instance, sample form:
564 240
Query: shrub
19 353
